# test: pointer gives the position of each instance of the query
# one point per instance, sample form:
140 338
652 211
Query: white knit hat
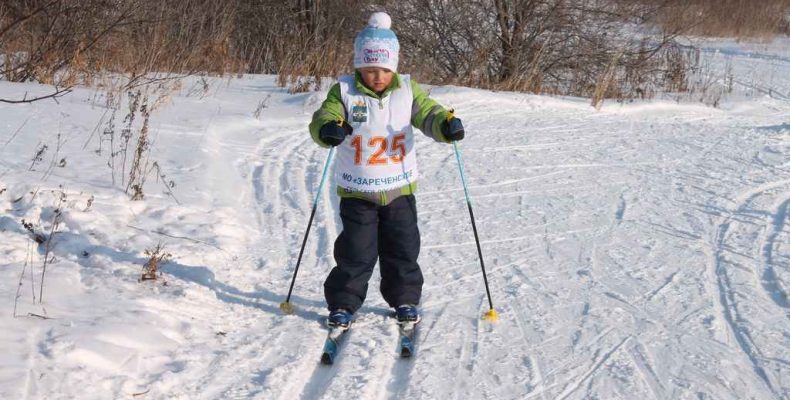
377 45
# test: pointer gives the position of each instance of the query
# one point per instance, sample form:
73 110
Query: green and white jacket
378 161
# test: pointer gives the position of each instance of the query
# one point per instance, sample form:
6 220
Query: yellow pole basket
491 316
287 308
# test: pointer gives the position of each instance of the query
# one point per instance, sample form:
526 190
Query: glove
333 133
452 128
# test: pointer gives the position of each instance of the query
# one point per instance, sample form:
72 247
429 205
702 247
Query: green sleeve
331 110
426 114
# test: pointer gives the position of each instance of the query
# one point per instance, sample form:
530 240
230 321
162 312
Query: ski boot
407 313
339 319
407 316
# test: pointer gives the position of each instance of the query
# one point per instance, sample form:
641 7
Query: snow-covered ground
639 251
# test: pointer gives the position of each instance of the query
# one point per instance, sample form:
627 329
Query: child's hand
333 133
453 129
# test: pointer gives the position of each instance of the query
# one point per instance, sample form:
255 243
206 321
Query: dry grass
309 41
157 256
302 71
742 19
74 42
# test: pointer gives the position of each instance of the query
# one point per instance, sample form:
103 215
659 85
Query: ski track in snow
639 251
772 285
727 295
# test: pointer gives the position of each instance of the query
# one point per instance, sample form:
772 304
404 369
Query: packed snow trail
639 251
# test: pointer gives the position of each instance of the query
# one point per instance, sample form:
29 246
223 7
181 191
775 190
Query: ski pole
491 315
286 306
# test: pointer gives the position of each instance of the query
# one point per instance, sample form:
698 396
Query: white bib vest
380 154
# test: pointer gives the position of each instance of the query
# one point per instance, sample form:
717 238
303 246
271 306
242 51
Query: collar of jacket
395 84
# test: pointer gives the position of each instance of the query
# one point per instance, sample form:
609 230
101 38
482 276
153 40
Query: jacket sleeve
426 114
331 110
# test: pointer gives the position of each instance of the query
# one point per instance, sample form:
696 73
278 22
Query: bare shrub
37 235
40 38
139 163
57 218
56 160
39 156
128 150
311 39
571 47
168 184
262 105
704 83
70 42
157 256
179 37
592 48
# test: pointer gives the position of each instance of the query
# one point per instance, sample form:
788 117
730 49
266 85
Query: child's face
376 78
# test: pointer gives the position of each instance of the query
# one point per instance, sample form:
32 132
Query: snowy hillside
637 252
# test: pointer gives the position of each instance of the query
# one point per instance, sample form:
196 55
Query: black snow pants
371 231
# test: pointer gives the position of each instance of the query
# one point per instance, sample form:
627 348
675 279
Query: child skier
369 118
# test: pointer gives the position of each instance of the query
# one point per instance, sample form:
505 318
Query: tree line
592 48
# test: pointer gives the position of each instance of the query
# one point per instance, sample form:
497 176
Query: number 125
381 156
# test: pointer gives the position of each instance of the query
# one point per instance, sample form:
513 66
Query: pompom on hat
377 45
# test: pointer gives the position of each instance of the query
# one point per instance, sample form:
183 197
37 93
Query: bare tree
554 46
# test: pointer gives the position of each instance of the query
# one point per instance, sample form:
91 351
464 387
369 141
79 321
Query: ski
407 333
332 345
